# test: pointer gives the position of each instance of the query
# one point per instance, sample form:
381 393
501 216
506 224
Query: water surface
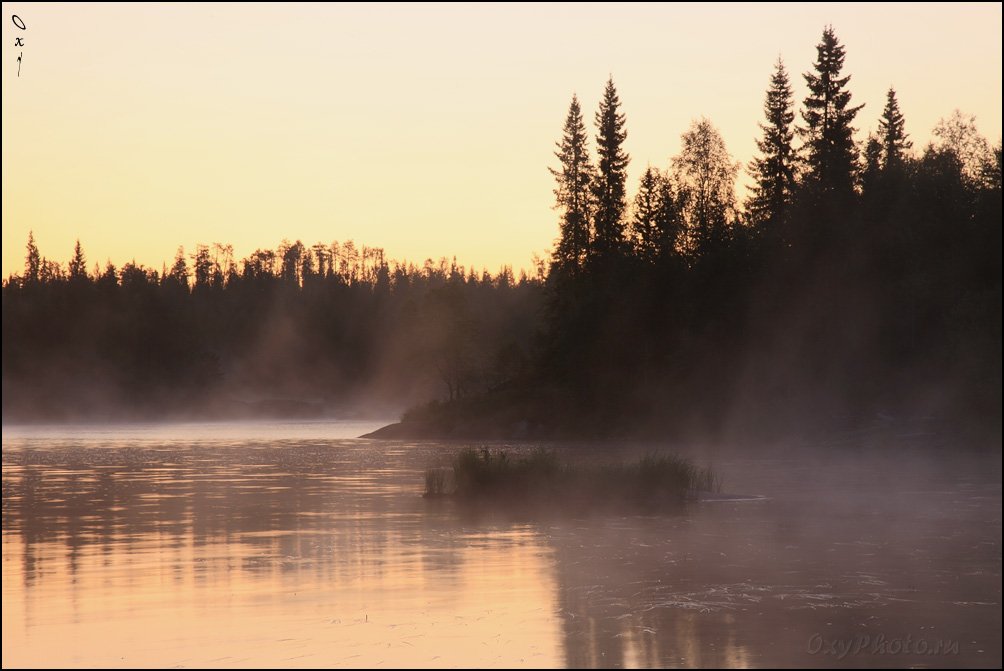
295 544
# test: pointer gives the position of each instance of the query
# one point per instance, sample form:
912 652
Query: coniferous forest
856 279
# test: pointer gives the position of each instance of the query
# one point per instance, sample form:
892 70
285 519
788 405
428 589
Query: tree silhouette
892 131
705 176
958 138
609 187
32 260
179 270
773 171
202 266
871 172
831 153
654 226
573 192
704 324
78 264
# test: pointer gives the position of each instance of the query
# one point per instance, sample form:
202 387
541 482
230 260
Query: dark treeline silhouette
298 330
855 281
851 285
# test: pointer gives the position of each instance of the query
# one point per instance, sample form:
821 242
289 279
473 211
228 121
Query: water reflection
126 551
291 553
833 557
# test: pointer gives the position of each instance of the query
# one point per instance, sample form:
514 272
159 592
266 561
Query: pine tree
646 210
829 137
78 264
609 187
653 224
774 170
179 271
574 177
892 129
110 277
872 170
32 260
203 266
667 220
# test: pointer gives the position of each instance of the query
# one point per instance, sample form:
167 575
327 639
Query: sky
424 130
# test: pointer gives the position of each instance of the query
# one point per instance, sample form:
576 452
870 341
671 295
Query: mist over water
817 329
296 544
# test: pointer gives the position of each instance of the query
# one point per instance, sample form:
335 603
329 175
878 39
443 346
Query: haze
425 130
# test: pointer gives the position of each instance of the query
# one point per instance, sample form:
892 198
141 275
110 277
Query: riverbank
481 420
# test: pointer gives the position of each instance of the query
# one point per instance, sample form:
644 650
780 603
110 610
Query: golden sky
424 130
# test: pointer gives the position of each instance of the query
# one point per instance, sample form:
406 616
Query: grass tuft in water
435 481
540 476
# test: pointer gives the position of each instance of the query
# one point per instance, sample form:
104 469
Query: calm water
295 544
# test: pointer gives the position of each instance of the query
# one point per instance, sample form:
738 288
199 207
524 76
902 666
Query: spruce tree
646 211
609 187
32 260
573 192
203 266
892 131
872 168
653 224
831 153
774 171
78 264
667 219
179 270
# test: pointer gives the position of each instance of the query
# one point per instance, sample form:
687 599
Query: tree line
856 278
690 208
299 329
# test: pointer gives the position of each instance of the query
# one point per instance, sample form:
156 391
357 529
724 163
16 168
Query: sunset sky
423 130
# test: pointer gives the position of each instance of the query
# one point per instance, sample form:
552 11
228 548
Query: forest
856 280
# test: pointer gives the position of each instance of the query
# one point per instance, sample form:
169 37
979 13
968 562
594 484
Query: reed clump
539 476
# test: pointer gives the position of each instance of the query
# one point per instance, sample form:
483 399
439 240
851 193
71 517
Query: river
296 544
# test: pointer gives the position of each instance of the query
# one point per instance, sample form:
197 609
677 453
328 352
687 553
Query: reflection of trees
273 507
267 503
669 592
734 585
261 509
714 586
716 589
309 536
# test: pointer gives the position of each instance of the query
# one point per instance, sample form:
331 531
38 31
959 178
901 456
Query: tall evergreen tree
78 264
654 224
573 192
774 171
609 185
203 266
668 223
831 153
32 260
872 169
646 211
892 130
178 275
